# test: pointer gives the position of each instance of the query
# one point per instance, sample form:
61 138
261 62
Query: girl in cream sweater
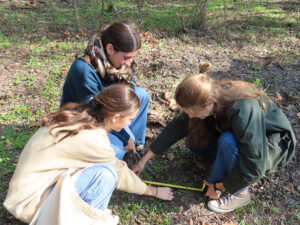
75 137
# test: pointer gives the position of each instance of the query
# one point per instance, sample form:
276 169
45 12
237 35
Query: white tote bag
64 206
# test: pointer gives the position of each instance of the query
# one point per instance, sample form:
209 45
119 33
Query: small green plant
146 46
34 62
257 82
4 42
125 196
18 114
256 68
274 210
160 45
67 46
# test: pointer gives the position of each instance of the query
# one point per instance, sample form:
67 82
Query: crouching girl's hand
163 193
138 168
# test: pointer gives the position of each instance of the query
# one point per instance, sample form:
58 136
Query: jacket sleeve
94 147
247 123
86 85
173 132
127 180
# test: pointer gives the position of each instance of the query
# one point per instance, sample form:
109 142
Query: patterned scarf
95 56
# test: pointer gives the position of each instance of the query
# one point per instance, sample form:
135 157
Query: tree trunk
114 8
202 6
76 14
140 6
102 8
52 12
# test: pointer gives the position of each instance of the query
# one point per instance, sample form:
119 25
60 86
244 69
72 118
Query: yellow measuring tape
175 186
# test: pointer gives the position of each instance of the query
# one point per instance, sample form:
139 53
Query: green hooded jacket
265 138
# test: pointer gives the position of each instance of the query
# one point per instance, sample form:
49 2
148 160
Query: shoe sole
212 208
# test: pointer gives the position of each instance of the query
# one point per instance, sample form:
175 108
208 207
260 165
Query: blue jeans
226 153
137 128
96 184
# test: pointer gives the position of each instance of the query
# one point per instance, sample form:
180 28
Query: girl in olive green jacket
233 124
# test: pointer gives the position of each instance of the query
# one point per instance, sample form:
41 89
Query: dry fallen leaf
191 222
231 223
289 187
278 97
171 156
147 36
172 103
167 96
82 32
37 71
8 143
155 116
149 133
64 70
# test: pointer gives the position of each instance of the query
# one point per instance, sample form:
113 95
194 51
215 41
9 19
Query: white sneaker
230 202
139 147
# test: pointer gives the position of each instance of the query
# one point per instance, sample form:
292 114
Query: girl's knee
225 138
227 144
107 172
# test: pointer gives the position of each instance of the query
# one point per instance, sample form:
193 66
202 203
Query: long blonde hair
197 90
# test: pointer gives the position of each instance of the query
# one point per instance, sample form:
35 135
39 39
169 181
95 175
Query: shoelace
226 199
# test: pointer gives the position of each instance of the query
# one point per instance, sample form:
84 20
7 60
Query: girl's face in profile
118 122
119 58
200 112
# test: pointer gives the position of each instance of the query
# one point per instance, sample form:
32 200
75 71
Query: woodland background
252 40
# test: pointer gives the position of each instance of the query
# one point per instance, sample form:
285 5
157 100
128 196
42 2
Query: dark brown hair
124 36
116 99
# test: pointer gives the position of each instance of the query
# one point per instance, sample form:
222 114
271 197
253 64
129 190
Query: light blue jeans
137 128
96 184
226 153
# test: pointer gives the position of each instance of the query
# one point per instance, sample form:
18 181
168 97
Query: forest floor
33 66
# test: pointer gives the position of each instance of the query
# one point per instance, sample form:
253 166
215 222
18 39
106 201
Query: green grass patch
149 213
21 112
12 137
4 41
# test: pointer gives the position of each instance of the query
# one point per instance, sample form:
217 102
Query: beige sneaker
230 202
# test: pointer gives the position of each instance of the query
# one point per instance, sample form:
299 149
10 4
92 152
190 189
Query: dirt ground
161 65
279 190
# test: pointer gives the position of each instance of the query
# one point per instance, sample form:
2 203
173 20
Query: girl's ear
211 105
110 49
115 118
210 102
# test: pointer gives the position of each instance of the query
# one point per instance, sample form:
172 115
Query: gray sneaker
230 202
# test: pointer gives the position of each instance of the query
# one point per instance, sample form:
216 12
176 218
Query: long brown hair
116 99
198 90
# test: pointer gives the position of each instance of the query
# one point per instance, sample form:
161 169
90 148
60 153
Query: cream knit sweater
42 163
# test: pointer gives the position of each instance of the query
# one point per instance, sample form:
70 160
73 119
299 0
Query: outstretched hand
211 192
164 193
138 168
